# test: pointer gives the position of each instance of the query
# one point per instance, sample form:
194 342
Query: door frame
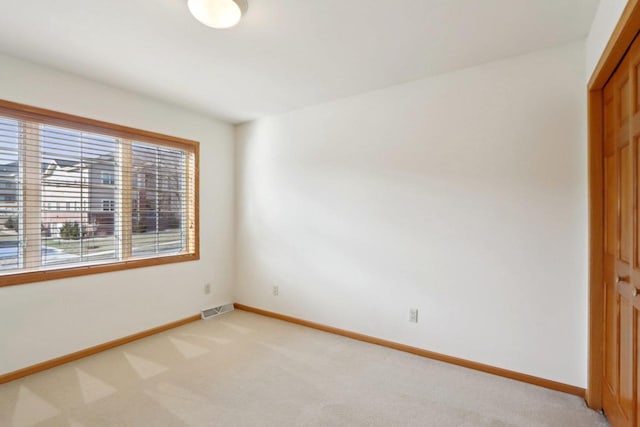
620 41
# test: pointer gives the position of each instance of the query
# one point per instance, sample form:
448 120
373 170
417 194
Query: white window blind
71 198
159 192
10 194
72 164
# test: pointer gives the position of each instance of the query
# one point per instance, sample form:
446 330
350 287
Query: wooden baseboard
542 382
11 376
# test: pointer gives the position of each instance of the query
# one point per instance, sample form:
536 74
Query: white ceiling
284 54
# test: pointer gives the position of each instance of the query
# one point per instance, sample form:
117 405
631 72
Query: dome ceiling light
218 13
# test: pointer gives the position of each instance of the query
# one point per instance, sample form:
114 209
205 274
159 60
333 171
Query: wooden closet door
622 242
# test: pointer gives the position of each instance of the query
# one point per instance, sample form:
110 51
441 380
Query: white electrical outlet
207 288
413 315
276 291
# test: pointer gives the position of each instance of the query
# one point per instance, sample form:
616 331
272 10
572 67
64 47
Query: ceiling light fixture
218 13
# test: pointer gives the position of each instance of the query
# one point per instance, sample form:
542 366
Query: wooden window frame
29 113
621 39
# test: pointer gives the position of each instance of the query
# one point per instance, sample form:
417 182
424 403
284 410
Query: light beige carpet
242 369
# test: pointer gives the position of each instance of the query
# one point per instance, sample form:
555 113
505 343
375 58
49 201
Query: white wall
607 16
44 320
463 195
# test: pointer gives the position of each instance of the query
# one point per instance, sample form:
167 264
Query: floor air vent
215 311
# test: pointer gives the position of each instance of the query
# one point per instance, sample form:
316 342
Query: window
107 178
10 209
108 205
158 196
79 196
